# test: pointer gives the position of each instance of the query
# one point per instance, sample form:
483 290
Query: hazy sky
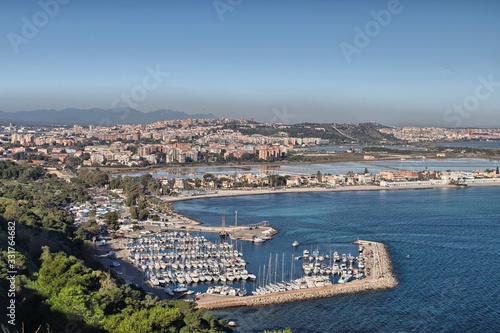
285 61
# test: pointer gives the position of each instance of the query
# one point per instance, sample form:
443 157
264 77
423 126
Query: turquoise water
450 283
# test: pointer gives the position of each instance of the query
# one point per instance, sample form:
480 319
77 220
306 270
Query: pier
247 233
381 277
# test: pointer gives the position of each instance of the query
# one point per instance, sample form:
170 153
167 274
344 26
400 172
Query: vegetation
137 191
59 284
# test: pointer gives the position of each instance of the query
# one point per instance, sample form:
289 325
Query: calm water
471 144
461 164
359 147
449 284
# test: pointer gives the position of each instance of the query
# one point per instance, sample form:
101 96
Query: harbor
331 222
177 264
381 277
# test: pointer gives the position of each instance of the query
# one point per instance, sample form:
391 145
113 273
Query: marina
181 264
177 259
319 226
380 277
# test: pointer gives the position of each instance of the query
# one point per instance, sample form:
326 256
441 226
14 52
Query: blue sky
267 59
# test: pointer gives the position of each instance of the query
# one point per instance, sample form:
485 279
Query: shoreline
383 279
236 193
277 164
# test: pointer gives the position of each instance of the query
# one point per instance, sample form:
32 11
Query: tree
134 214
90 227
319 176
366 171
111 219
77 304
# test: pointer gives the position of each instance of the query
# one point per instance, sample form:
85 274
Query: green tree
88 228
319 176
111 220
78 305
134 214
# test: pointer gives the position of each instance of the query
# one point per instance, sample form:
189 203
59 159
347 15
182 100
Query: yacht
345 278
295 244
258 240
180 289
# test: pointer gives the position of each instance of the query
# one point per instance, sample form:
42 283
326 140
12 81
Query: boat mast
283 268
223 232
258 279
264 276
275 268
269 270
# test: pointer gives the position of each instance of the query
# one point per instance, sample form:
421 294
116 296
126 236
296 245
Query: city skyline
393 62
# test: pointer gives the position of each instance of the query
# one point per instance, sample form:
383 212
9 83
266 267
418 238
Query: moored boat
257 239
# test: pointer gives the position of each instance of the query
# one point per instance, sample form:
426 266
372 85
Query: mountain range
95 116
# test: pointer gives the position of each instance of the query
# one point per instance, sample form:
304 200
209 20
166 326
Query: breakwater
381 277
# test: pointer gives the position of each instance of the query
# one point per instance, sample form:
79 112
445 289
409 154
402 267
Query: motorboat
305 254
258 240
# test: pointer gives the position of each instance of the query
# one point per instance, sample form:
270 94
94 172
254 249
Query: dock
241 232
381 277
244 233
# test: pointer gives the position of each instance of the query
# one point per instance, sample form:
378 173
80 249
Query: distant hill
95 116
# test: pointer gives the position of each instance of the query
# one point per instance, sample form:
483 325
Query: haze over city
394 62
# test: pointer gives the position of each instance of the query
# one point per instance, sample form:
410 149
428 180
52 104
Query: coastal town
133 228
222 141
233 166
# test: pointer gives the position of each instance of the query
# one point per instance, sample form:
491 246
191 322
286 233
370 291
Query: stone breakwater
382 277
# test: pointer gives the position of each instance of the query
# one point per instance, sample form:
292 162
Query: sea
444 245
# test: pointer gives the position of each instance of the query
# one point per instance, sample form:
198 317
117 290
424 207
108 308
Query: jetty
381 276
247 233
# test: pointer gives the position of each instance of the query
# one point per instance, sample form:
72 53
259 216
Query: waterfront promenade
381 277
